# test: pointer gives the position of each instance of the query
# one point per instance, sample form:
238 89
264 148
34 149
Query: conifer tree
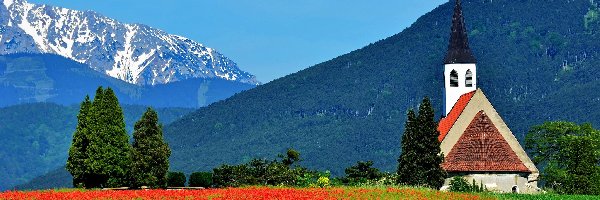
76 163
421 158
407 167
109 143
150 154
432 157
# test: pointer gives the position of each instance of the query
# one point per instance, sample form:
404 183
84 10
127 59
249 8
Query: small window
469 79
453 79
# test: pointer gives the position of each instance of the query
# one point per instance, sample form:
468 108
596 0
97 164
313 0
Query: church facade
476 143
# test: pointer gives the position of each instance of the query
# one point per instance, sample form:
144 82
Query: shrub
201 179
175 179
362 173
459 184
264 172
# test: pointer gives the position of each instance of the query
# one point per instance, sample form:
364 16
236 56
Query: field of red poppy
246 193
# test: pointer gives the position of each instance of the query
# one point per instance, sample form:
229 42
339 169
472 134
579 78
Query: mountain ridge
135 53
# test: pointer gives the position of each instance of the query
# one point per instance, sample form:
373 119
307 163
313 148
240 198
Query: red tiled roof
447 122
482 148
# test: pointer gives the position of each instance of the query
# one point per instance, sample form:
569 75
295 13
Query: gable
477 103
482 148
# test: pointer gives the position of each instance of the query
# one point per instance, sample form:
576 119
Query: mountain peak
135 53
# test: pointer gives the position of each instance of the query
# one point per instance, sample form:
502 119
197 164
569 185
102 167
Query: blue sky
268 38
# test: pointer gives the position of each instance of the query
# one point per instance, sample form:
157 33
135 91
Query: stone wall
503 182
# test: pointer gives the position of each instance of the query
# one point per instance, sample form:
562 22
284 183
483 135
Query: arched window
453 79
469 79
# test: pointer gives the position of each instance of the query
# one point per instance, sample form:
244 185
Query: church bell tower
460 74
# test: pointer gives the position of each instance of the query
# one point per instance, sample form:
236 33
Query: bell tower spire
460 64
458 49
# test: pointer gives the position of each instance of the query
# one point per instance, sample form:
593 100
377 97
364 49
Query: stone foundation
500 182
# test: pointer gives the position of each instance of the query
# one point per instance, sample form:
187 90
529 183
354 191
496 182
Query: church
475 141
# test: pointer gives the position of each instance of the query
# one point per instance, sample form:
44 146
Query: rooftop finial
458 49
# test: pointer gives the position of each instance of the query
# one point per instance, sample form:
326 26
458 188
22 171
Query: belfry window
469 79
453 79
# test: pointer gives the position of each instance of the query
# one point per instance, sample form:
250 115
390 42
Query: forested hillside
32 78
538 60
36 137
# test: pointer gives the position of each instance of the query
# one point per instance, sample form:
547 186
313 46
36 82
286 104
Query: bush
201 179
362 173
175 179
283 172
459 184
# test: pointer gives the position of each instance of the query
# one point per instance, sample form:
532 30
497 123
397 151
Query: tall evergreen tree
150 153
76 163
407 168
421 158
109 143
432 158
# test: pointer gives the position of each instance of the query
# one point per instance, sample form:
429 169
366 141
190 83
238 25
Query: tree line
101 156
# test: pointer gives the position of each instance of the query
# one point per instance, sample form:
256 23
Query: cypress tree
421 158
431 156
407 167
109 143
76 163
150 154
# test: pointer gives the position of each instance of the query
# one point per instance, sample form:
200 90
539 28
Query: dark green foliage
406 164
459 184
361 173
264 172
256 172
76 163
36 139
292 156
109 148
229 175
175 179
421 158
149 154
569 155
201 179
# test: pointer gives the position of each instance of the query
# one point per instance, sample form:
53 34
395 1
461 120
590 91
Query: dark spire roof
458 49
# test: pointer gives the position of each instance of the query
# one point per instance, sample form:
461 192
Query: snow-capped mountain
134 53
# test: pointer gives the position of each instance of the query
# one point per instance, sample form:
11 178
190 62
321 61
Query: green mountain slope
33 78
36 137
537 61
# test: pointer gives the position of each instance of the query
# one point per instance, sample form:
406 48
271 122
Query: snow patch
31 30
126 64
7 3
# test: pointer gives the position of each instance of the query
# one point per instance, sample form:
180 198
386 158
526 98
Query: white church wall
503 183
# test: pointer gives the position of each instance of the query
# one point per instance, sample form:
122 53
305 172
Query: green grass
544 196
